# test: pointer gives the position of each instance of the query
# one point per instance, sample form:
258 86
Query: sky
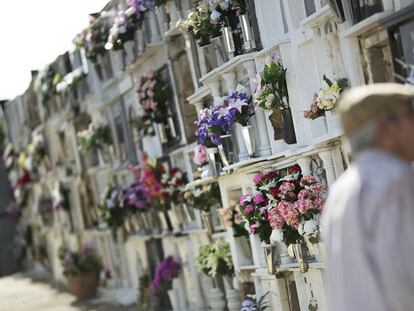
33 33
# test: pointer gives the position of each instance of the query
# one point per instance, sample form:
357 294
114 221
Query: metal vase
271 258
226 150
162 133
211 152
299 252
248 38
171 127
207 218
209 53
228 41
221 54
289 135
189 213
249 140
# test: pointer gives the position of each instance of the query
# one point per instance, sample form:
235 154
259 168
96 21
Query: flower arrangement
326 98
153 94
46 82
173 184
199 25
295 201
141 7
271 90
167 270
70 81
120 203
200 155
124 27
215 260
255 206
84 261
204 197
94 138
240 107
93 38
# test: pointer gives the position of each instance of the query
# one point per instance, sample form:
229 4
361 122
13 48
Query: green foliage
95 138
84 261
215 259
204 198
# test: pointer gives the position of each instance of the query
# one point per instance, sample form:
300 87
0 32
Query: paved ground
19 293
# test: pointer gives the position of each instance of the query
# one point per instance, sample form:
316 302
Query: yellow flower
22 159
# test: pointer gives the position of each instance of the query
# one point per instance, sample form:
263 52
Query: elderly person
368 223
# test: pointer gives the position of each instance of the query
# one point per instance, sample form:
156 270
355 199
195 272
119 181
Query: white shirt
368 228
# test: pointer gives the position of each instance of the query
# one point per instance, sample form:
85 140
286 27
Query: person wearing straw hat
368 221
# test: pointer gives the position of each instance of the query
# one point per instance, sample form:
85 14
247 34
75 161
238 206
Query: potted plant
272 95
82 269
215 260
165 273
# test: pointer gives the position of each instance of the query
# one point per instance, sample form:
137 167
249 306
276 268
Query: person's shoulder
348 180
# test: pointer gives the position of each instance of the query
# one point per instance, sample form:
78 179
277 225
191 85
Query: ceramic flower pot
83 286
248 38
249 140
300 252
212 152
315 250
207 218
289 135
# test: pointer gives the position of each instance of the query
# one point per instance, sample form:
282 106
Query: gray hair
364 137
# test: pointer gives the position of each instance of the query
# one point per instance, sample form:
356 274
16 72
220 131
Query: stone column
214 86
326 157
261 128
305 165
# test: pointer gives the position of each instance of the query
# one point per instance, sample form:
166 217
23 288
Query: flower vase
171 127
189 213
101 160
249 139
300 252
233 299
206 172
163 222
220 52
248 38
173 296
284 257
271 258
162 133
315 250
211 152
216 300
228 41
275 118
226 150
289 135
245 246
207 218
209 53
225 222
